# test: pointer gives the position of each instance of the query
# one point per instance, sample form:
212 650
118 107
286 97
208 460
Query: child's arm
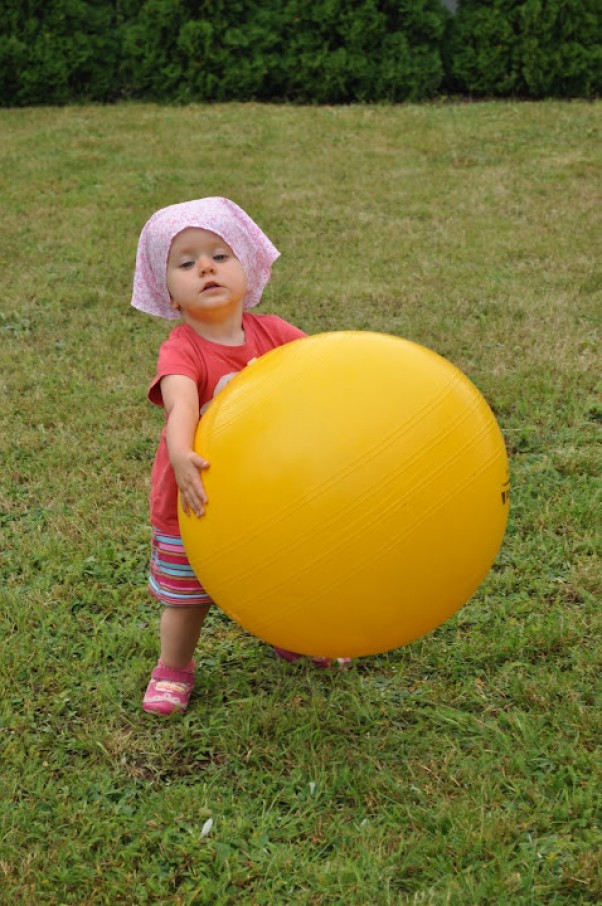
181 401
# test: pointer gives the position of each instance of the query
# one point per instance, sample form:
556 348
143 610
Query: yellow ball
358 494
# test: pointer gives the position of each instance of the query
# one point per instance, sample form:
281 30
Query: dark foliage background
326 51
530 48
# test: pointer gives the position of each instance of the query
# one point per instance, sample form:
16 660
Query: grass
462 769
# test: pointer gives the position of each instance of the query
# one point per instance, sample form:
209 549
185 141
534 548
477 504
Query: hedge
326 51
529 48
311 51
58 51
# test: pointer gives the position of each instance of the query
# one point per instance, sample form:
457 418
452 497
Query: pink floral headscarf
219 215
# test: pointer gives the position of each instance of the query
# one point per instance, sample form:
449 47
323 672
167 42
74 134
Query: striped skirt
171 580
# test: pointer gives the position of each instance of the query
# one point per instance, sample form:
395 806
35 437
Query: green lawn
462 769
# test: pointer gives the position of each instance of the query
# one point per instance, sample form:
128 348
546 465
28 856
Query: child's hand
192 492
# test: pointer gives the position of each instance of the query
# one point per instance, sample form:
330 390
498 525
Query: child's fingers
195 496
192 505
192 491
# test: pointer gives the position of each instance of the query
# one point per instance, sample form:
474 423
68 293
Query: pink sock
189 668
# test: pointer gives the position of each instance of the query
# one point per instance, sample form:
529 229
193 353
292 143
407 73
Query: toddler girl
206 263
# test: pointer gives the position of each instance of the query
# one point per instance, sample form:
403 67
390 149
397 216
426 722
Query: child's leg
186 603
172 680
180 631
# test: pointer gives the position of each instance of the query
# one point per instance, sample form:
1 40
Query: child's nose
205 263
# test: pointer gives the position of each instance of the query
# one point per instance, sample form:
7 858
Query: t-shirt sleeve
176 356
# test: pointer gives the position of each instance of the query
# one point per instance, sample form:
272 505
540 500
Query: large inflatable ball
358 494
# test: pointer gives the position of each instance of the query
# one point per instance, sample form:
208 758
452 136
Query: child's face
204 277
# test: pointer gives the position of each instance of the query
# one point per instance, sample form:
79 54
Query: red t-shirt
211 366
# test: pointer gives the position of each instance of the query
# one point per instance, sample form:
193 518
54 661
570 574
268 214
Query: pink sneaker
322 663
285 655
325 663
169 690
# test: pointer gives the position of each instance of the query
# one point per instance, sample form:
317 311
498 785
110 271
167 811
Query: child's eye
220 256
185 265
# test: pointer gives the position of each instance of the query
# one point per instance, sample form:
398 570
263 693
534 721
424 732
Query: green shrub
561 48
150 64
330 51
483 47
336 51
57 52
530 48
13 62
324 51
208 51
